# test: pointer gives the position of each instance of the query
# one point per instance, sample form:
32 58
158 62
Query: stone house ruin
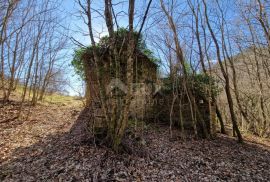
166 110
145 78
148 103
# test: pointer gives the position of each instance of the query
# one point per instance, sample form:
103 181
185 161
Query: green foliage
150 55
188 68
77 62
203 83
199 84
120 35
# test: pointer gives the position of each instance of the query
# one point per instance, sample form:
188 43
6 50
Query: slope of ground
41 148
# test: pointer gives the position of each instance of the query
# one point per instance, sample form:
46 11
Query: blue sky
78 30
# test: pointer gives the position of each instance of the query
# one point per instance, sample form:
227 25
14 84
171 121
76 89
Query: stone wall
145 75
165 112
145 104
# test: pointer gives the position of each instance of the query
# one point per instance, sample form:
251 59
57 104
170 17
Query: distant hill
252 77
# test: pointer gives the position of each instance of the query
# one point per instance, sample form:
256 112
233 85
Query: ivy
77 62
203 83
120 35
199 83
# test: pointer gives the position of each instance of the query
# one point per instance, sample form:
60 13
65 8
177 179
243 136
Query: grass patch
63 99
54 98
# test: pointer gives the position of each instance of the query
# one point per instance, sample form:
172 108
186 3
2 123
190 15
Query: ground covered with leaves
41 147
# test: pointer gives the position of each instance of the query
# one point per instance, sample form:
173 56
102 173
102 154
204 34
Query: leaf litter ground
40 147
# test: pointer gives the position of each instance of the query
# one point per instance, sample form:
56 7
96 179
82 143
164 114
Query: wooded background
228 41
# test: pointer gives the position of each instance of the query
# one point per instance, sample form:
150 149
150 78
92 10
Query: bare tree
11 5
117 120
224 73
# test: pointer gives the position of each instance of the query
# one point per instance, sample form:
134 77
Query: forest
149 90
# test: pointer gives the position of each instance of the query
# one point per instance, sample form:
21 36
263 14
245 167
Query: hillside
41 147
167 90
252 81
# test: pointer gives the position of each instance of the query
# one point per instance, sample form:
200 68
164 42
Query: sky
79 31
